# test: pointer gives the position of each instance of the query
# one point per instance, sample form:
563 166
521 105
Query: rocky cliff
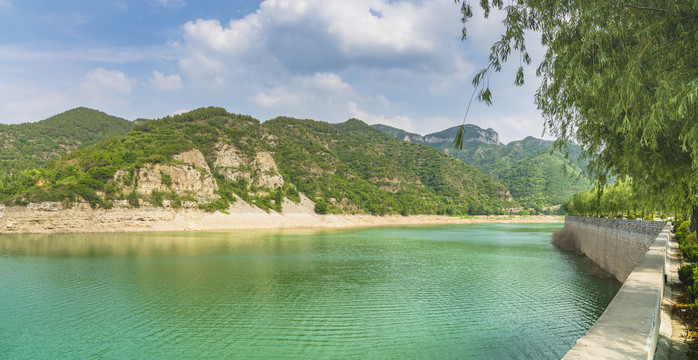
472 134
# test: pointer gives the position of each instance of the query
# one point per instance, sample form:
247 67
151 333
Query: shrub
293 194
166 179
693 288
132 198
321 207
108 204
689 248
686 275
682 230
156 197
218 204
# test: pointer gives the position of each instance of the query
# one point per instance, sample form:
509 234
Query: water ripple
493 292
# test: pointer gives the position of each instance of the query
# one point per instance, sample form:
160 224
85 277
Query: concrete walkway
675 347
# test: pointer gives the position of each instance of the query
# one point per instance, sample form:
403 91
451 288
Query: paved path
678 348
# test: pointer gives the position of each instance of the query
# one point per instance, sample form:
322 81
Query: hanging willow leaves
618 77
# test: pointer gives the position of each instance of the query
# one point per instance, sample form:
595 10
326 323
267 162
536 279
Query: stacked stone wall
614 244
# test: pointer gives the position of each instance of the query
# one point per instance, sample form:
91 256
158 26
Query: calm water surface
466 291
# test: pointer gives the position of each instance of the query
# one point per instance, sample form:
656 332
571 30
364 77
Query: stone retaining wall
636 253
614 244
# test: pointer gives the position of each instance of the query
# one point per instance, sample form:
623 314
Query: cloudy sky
399 63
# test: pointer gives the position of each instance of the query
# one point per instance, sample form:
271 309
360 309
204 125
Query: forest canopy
620 78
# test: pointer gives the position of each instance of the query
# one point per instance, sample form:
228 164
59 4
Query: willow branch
642 7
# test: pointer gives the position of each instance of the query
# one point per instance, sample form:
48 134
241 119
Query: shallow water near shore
457 291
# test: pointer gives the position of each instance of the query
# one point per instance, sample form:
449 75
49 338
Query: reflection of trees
144 244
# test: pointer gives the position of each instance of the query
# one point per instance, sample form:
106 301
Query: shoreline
22 220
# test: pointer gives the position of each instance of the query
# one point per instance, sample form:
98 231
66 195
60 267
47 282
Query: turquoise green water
439 292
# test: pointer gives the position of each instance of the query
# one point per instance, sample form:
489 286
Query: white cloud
163 82
383 100
400 122
313 58
104 80
317 35
399 63
329 82
303 93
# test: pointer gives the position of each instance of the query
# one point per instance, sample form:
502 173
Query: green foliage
613 200
132 198
215 205
31 145
358 169
157 197
350 167
686 275
531 169
622 80
321 207
166 179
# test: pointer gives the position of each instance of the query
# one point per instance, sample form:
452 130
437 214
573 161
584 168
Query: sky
399 63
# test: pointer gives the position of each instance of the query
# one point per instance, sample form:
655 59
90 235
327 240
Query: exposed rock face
193 157
472 133
268 175
193 180
196 180
261 172
227 156
229 162
185 181
44 206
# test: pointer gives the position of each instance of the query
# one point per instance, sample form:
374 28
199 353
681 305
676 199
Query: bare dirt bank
23 220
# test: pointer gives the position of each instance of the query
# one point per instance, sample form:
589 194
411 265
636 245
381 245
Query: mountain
530 168
30 145
210 158
472 134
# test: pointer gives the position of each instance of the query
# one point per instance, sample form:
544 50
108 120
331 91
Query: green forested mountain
29 145
533 175
211 158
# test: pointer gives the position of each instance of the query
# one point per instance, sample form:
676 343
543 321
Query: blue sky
399 63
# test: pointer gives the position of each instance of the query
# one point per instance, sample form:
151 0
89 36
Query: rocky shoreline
44 219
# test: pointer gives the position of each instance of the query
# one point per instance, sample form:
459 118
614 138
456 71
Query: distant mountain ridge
529 168
210 158
29 145
473 133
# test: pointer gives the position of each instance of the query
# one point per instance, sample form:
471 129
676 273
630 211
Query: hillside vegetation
535 175
30 145
210 158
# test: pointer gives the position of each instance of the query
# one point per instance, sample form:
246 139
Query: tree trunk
694 219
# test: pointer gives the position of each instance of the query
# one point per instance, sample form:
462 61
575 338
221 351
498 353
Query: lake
482 291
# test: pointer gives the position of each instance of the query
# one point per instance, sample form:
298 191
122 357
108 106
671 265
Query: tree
618 77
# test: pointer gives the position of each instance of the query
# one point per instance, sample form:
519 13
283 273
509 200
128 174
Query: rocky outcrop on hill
267 172
194 179
193 157
472 134
261 171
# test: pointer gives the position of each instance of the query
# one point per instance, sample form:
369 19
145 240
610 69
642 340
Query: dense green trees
348 167
30 145
531 169
352 167
621 78
619 199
